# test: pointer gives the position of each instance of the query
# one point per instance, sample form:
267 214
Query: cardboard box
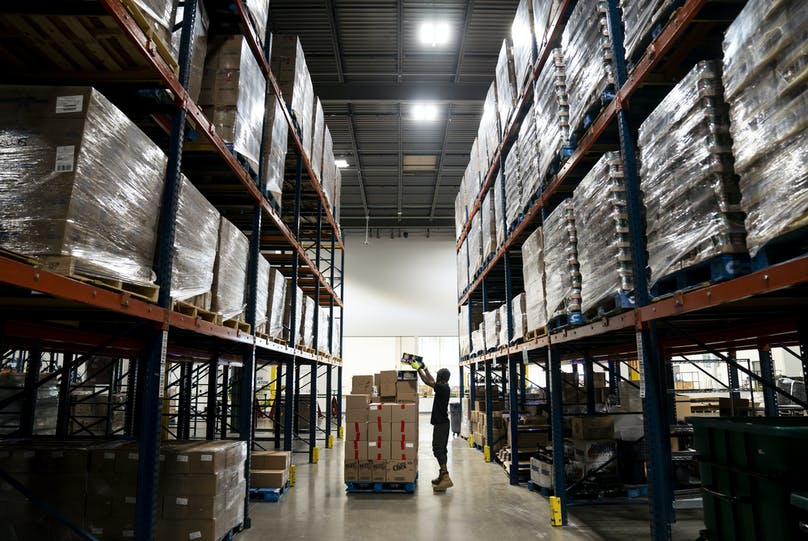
365 471
599 379
379 430
404 431
357 401
357 416
377 412
591 454
202 483
403 450
379 449
126 459
356 431
268 478
192 506
406 391
387 383
683 406
271 460
530 438
356 450
407 413
407 375
362 385
402 471
379 471
351 471
593 427
738 407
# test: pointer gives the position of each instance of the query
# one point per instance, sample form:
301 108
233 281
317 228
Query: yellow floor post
315 455
555 511
487 453
292 475
330 443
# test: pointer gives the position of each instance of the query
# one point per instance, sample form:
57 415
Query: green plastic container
749 468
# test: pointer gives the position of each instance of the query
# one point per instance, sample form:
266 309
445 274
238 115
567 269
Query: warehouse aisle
481 506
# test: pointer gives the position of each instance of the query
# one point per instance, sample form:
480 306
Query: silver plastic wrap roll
528 157
259 14
604 243
522 37
199 47
502 317
195 240
318 127
275 143
506 87
764 76
290 69
519 306
544 12
462 268
230 271
262 292
513 184
309 313
533 276
587 52
233 95
562 278
552 109
639 18
463 334
488 134
276 304
79 183
474 239
689 186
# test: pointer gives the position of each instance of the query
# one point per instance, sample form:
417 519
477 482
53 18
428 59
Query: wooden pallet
66 265
278 341
147 26
235 323
536 333
18 257
193 311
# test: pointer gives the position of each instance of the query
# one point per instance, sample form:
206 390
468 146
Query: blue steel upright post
341 335
657 430
289 413
316 333
329 388
557 430
157 341
767 373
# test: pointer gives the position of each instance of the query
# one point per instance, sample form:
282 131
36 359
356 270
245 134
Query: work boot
438 479
445 482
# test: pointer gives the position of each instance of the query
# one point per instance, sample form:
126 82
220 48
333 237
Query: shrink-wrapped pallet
336 349
528 157
276 304
463 332
474 239
337 193
230 271
689 186
292 73
488 134
502 316
562 276
196 236
522 37
328 180
478 339
513 184
519 306
80 184
462 268
293 325
258 11
322 329
491 328
318 127
488 219
498 214
639 19
588 57
544 13
276 133
262 292
460 212
604 244
477 167
506 87
764 76
533 276
233 95
199 46
552 110
158 14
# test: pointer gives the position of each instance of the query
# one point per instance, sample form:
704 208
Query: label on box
182 458
206 458
64 159
182 501
195 535
69 104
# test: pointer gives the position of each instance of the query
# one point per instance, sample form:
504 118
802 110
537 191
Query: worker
440 423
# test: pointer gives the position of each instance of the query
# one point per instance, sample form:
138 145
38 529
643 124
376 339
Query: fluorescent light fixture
434 34
425 112
341 163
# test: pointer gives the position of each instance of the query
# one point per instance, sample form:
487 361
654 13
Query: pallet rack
143 341
756 311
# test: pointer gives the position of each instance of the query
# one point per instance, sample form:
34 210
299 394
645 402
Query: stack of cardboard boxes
270 469
381 428
592 444
479 423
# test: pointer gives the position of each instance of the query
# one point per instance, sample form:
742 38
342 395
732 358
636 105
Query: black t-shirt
440 407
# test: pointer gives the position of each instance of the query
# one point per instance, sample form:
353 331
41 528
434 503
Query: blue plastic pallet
718 269
229 536
565 320
783 248
268 494
614 304
379 488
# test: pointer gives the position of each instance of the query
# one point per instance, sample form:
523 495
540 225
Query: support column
557 430
32 370
462 389
767 373
513 474
290 411
224 414
732 378
213 380
589 382
489 428
63 412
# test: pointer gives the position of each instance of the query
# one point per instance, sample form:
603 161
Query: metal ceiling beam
404 92
440 161
400 39
461 51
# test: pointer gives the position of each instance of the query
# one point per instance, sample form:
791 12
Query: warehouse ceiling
370 69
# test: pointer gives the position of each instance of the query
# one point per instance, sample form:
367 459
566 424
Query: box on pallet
362 385
592 427
402 471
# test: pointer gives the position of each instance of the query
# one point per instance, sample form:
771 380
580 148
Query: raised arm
426 377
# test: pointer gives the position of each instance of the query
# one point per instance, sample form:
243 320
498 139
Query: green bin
749 469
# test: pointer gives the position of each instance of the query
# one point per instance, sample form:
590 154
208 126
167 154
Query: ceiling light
425 111
341 163
434 34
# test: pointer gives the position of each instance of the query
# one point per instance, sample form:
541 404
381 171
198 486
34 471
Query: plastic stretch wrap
287 313
764 75
498 216
336 350
533 275
158 13
552 109
460 212
337 193
477 168
562 280
292 73
275 143
502 316
322 329
587 53
233 95
78 179
477 344
506 88
544 12
230 271
639 19
259 14
316 152
195 239
522 37
488 132
474 239
519 306
604 240
462 268
276 304
689 187
492 323
528 157
513 185
199 47
262 291
463 334
328 178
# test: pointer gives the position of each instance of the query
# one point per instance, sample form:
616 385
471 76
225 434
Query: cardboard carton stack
533 432
592 444
270 469
381 428
479 423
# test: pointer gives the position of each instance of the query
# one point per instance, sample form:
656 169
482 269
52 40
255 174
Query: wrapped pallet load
289 324
230 271
292 73
310 313
503 339
640 17
275 142
519 306
477 167
318 129
258 11
562 274
604 245
336 349
588 56
460 210
329 168
497 214
262 293
276 305
533 275
488 219
199 46
323 329
233 95
488 134
522 37
506 88
528 157
463 331
689 186
552 109
158 15
474 239
513 184
764 80
81 185
544 14
491 329
462 268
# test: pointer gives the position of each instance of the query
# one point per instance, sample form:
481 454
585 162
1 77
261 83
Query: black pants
440 439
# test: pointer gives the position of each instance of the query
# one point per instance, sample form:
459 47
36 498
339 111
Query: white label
206 458
182 458
130 499
132 456
109 456
409 445
195 535
69 104
64 159
182 501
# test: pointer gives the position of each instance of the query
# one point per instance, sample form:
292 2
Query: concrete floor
482 505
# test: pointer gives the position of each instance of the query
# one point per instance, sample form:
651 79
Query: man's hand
416 365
